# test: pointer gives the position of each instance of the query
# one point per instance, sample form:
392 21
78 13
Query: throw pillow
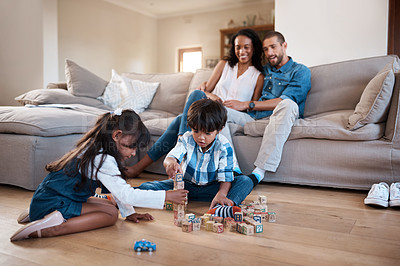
122 92
82 82
173 90
374 102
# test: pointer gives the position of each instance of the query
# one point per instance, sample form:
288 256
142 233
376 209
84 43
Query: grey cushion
199 77
82 82
330 125
48 121
374 102
338 86
171 95
58 96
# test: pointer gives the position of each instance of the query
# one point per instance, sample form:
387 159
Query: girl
235 80
62 204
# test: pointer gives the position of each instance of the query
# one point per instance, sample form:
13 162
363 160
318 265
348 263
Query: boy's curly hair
206 115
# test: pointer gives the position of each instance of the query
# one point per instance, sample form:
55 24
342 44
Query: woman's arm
259 87
215 76
209 86
243 106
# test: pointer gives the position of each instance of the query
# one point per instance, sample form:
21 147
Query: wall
21 51
100 36
199 30
325 31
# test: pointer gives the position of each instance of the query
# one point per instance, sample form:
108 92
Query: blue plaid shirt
216 164
291 81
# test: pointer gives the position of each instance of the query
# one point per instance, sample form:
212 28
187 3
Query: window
190 59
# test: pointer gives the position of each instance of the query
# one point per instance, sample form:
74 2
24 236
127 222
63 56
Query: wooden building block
238 216
190 216
218 227
210 226
262 199
248 229
271 217
187 226
169 206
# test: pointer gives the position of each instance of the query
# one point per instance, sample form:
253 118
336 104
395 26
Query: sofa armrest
392 132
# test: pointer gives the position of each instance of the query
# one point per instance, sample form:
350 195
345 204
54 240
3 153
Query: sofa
349 136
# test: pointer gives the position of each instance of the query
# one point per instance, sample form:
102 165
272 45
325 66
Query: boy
206 159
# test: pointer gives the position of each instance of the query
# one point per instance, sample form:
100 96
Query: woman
235 80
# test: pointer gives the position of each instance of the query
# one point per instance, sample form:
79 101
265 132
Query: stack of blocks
248 221
179 209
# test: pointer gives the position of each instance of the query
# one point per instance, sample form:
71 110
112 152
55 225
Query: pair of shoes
50 220
379 195
24 217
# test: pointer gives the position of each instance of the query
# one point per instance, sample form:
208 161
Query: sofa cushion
82 82
158 126
330 125
199 77
48 121
374 102
57 96
171 95
338 86
123 92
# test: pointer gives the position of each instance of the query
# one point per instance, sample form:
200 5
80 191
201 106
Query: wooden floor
315 226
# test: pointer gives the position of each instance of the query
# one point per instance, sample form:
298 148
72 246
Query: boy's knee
245 181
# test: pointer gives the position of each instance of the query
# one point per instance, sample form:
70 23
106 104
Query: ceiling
172 8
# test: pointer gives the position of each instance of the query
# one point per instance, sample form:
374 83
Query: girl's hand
178 196
136 217
236 105
221 199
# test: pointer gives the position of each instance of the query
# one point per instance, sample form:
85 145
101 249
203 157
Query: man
285 89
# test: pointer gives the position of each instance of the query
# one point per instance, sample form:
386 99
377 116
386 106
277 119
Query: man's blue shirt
291 81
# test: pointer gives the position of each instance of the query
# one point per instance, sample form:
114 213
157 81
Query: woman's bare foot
136 169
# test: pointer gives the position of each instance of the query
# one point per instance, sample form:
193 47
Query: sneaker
378 195
394 195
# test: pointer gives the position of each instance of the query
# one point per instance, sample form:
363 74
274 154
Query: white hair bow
116 112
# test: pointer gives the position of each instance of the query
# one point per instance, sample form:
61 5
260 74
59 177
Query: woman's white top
124 194
232 87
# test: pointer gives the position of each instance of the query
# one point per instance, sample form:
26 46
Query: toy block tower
179 209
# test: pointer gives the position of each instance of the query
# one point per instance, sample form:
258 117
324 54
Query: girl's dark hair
257 48
206 115
99 140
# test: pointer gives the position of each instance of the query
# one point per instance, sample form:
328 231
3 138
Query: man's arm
299 85
265 105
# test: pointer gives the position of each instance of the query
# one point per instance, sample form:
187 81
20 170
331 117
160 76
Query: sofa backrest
171 94
338 86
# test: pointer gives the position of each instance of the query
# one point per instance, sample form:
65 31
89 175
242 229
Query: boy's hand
221 199
172 168
136 217
177 196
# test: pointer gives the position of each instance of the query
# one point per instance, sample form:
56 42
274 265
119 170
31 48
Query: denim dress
58 192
